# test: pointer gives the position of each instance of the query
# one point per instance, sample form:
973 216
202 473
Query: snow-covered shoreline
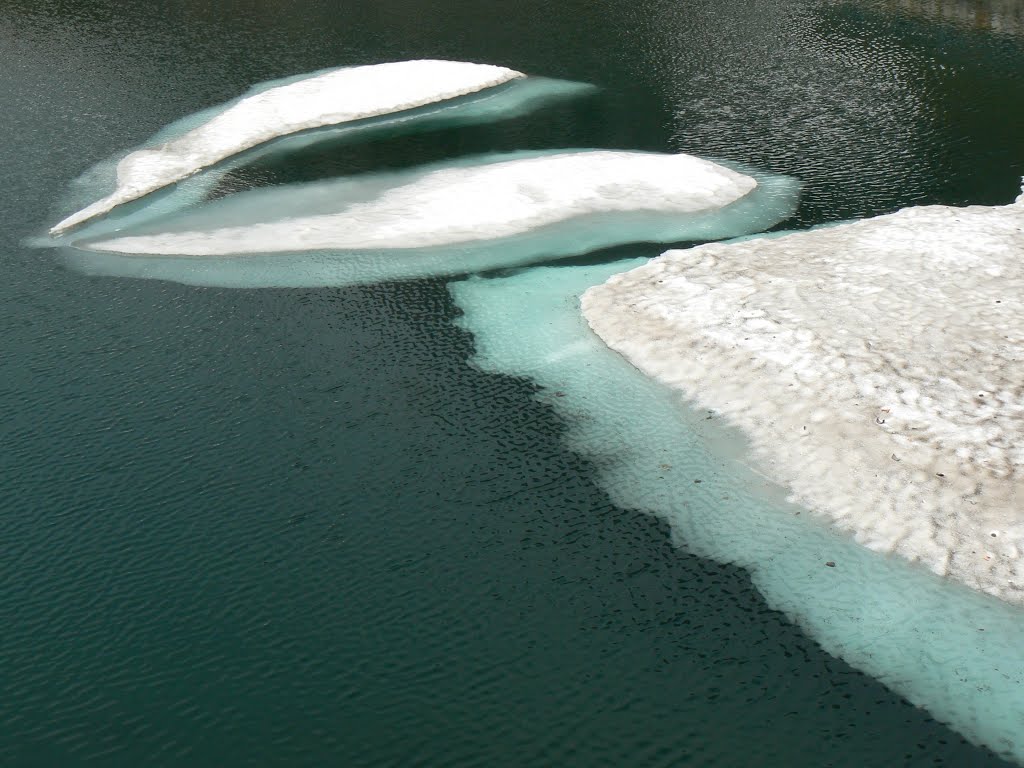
337 96
875 367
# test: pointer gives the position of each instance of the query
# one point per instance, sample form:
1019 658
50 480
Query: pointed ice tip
1020 197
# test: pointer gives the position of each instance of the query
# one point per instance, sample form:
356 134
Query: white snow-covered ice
464 216
323 99
876 367
447 205
512 99
950 649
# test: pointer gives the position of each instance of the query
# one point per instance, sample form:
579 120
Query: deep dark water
295 528
332 592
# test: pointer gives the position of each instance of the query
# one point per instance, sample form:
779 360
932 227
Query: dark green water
295 528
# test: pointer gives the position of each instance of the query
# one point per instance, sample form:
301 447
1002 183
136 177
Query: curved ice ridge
337 96
876 367
447 205
574 232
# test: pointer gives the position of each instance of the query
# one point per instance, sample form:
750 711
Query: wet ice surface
330 98
462 216
947 648
876 367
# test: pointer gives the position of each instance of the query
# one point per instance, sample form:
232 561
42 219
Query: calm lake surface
294 527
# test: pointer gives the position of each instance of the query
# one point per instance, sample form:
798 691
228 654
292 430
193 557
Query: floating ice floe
945 647
299 104
515 98
876 367
471 215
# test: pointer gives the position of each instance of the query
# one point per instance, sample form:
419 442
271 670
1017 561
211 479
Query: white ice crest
331 98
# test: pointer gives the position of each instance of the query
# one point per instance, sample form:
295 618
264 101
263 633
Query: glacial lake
299 527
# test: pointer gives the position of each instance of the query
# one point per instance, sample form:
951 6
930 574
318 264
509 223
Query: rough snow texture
338 96
454 205
877 367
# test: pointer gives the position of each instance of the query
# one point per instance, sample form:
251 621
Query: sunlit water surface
294 527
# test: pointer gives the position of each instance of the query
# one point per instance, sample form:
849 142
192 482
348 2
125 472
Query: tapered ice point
876 367
469 215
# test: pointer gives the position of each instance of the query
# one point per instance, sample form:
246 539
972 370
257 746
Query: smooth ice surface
471 215
876 367
330 98
943 646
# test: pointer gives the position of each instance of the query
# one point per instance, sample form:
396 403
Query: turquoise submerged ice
875 367
300 104
466 216
945 647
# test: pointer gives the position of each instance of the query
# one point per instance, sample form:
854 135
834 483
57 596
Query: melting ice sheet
286 107
945 647
472 215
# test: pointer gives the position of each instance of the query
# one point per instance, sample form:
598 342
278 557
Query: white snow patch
513 217
452 205
337 96
876 366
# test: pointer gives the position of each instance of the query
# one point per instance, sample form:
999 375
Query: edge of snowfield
877 368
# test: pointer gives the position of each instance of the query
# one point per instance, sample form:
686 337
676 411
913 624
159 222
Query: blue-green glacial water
315 526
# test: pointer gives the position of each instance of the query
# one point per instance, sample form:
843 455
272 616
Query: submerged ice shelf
466 216
947 648
301 104
876 367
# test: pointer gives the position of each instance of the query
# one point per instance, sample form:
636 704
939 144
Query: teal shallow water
294 527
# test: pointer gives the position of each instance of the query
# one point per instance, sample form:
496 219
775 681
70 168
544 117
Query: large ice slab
330 98
945 647
876 367
472 215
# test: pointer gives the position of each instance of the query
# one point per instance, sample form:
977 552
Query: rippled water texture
295 527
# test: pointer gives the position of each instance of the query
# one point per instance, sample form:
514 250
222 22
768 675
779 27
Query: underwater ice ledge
946 648
284 107
473 215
